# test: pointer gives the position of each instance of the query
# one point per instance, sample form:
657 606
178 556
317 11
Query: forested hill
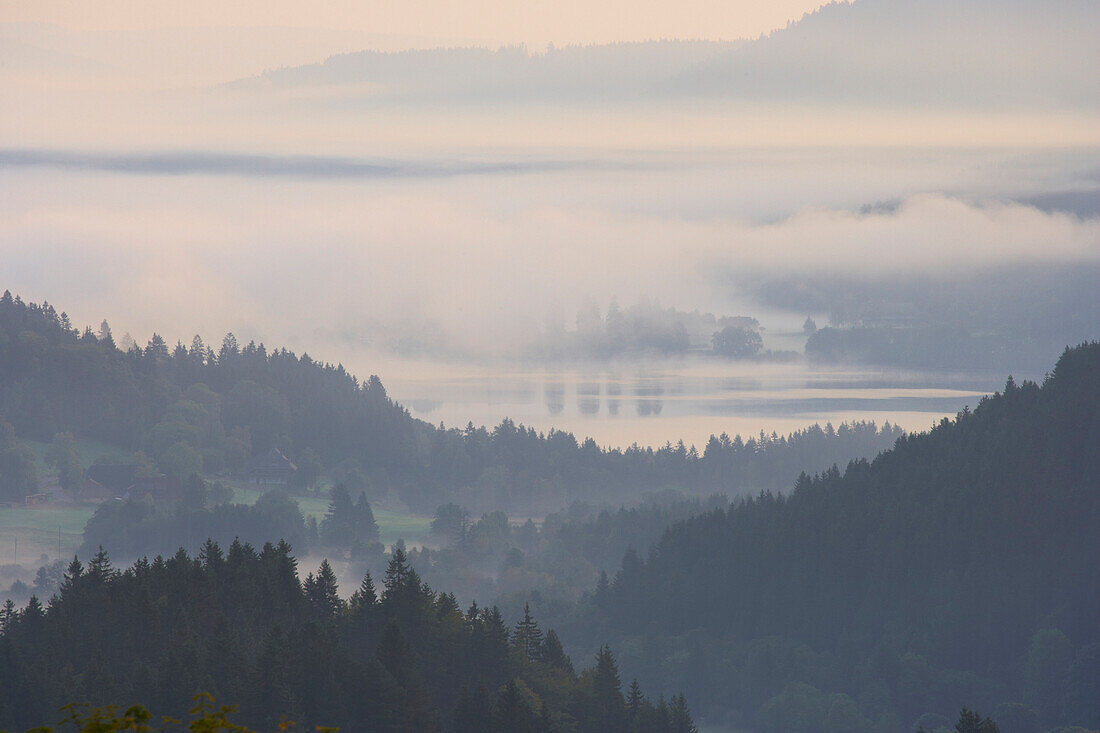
959 568
196 409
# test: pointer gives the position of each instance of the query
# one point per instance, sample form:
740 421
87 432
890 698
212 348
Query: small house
271 468
112 481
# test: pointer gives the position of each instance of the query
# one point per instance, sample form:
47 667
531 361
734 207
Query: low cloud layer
284 166
471 265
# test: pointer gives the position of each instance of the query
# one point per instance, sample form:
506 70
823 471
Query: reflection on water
614 392
652 403
588 398
555 397
648 392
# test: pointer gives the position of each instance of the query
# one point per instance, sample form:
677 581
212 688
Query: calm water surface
650 403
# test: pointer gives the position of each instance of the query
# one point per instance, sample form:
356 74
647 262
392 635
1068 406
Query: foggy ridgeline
205 410
958 568
241 626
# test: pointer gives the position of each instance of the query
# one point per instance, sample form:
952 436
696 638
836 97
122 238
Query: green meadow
27 533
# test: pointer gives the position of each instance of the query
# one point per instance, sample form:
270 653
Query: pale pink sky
535 22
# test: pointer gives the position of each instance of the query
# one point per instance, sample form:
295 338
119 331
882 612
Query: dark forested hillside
241 626
959 568
196 409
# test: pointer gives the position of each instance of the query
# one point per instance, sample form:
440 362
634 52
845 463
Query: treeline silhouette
196 409
241 626
959 568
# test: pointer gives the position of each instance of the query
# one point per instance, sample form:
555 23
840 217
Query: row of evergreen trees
241 625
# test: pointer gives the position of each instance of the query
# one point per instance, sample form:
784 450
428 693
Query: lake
653 402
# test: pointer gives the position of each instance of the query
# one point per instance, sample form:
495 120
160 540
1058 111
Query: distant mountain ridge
577 73
973 53
873 52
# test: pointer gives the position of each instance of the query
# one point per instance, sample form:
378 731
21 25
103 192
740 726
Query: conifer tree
322 591
33 612
553 653
634 701
366 528
72 575
609 712
972 722
528 637
100 569
210 555
397 573
602 596
365 596
680 716
105 336
338 526
7 614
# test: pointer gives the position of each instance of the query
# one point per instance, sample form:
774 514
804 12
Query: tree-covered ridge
959 568
197 409
241 626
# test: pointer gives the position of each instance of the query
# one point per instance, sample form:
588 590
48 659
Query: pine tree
365 596
7 615
338 525
528 637
972 722
634 701
210 555
609 713
105 336
602 596
366 528
680 716
157 349
100 569
553 653
33 612
397 574
322 591
72 575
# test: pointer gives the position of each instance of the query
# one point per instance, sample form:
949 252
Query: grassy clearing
36 529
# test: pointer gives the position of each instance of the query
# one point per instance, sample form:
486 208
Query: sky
446 22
